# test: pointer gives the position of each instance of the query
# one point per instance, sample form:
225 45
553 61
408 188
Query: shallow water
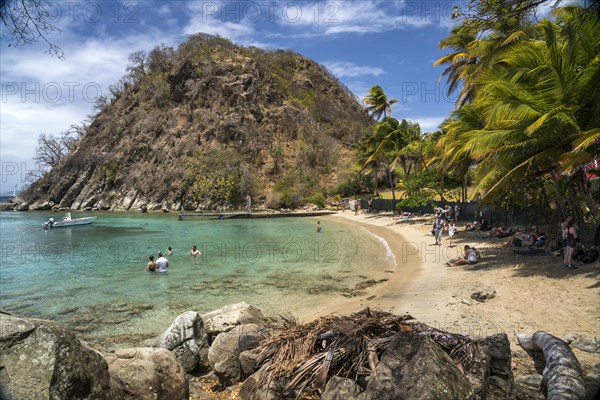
92 278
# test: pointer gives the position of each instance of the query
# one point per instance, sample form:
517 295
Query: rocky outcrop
43 360
186 338
224 353
148 373
228 317
415 367
262 114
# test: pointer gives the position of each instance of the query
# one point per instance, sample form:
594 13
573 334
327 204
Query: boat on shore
67 221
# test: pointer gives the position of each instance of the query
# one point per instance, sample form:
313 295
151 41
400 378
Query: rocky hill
206 125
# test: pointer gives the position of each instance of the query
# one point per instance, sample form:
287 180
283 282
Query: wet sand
414 285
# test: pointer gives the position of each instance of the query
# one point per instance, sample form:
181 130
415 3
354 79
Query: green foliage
217 178
377 103
295 186
529 104
290 199
316 199
422 188
355 184
112 170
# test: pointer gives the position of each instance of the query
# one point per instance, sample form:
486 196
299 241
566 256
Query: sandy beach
532 292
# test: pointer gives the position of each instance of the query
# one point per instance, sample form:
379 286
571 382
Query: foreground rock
148 374
414 367
187 339
224 354
42 360
226 318
374 355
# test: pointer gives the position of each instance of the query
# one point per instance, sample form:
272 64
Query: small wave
389 254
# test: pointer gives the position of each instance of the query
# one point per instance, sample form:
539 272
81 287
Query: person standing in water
162 263
151 267
195 252
319 227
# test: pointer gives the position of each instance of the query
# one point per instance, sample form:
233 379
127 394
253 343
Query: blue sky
363 43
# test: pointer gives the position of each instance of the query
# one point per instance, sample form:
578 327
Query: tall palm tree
538 118
378 104
390 137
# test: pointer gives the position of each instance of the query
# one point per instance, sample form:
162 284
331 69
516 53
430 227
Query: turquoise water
92 278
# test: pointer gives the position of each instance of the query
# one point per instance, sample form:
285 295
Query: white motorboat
67 222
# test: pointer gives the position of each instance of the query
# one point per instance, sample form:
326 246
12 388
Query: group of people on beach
536 239
445 222
162 263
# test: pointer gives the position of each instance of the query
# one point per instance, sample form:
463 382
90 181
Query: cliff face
208 124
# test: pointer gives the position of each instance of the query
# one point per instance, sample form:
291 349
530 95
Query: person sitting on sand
499 232
151 267
195 252
471 256
403 215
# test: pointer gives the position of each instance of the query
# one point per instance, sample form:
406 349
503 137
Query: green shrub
317 199
290 199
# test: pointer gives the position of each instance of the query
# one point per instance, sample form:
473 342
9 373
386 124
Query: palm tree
377 103
539 119
390 138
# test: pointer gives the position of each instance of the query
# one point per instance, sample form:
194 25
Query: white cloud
237 24
42 94
364 16
427 123
347 69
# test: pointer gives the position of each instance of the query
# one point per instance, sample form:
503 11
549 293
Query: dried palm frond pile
303 357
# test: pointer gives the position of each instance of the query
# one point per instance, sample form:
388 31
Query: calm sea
92 278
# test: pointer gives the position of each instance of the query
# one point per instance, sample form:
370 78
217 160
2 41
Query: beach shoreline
413 287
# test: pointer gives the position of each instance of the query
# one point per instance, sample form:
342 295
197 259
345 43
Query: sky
363 43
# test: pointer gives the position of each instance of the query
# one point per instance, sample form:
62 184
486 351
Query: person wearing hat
162 263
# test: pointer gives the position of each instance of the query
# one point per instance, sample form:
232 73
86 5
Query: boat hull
69 223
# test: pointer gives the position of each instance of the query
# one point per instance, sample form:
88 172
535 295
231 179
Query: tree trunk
589 199
375 184
577 212
562 376
560 200
391 176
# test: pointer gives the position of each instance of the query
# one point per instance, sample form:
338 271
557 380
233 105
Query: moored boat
67 222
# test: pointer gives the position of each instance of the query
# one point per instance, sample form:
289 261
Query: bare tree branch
25 22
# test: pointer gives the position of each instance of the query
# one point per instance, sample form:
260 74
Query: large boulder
341 389
226 318
148 373
224 353
186 338
42 360
498 367
254 387
415 367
